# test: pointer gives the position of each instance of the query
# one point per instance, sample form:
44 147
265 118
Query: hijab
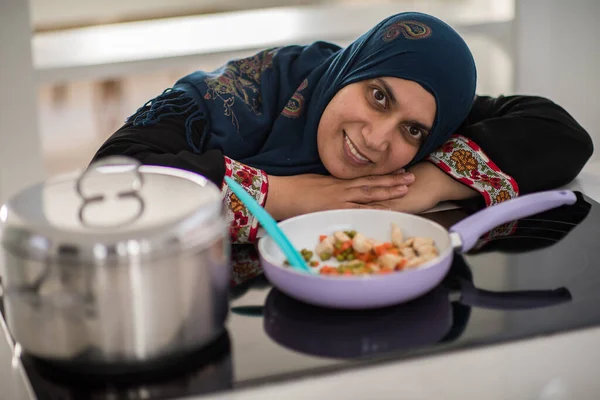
264 110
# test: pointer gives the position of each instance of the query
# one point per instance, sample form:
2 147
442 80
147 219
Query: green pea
325 256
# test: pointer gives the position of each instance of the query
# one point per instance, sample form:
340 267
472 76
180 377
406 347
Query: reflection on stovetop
204 371
534 276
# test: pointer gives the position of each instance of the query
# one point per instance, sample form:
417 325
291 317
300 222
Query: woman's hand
431 186
295 195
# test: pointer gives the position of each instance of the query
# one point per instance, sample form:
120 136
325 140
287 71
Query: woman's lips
352 153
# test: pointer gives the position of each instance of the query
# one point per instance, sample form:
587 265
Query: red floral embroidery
463 159
245 177
243 226
494 181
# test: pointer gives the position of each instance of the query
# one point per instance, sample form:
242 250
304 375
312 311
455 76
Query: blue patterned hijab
264 110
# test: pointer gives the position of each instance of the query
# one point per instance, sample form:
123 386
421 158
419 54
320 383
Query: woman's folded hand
432 186
295 195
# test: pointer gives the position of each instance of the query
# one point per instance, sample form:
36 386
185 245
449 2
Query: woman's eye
415 132
380 97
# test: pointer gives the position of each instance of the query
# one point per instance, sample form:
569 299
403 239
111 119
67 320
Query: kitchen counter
555 367
559 366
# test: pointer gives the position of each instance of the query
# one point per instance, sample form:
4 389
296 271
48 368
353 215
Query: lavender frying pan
372 291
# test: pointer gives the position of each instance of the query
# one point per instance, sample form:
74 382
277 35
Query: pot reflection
205 371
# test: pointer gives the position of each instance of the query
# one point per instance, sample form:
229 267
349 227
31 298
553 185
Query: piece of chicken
361 244
426 250
388 260
408 253
414 262
325 248
422 241
397 237
341 236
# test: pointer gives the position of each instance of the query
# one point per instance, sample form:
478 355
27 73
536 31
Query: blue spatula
269 225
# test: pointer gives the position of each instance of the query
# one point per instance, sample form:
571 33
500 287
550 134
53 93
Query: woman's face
374 127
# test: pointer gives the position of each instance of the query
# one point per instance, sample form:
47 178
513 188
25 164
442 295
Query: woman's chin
344 172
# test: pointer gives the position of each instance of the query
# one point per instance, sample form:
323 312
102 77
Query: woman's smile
353 155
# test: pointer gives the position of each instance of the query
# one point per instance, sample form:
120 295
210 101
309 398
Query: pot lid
116 209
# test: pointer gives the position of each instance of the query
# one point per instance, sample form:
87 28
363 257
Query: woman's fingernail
409 177
402 188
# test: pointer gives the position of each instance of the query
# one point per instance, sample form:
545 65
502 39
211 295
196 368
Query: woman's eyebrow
425 128
388 91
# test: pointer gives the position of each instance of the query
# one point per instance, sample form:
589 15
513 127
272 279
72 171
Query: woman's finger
373 206
396 179
369 194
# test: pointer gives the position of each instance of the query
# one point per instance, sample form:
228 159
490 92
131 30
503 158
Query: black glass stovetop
535 276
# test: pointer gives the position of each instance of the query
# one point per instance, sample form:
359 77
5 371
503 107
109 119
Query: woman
307 128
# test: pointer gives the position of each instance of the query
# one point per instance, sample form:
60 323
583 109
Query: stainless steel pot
124 264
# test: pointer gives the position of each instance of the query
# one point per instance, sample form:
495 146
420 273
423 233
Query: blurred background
71 71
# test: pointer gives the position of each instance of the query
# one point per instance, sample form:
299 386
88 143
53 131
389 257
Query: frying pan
373 291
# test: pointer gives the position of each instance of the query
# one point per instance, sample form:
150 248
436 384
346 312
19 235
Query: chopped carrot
394 251
348 273
346 245
386 271
401 264
342 248
362 256
382 248
322 237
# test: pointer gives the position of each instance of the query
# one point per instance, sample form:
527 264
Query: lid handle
113 165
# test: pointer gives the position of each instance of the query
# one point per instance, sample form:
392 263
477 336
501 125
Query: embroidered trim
239 79
410 29
293 108
463 159
243 227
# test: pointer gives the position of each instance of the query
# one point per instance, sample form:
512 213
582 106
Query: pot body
118 314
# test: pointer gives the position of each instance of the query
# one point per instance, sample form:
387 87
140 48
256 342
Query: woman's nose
378 135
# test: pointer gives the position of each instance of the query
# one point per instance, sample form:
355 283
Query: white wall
20 149
558 56
59 13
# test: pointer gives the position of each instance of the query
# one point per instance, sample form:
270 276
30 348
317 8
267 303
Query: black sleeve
164 143
530 138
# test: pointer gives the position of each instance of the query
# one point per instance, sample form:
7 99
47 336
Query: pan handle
472 227
516 300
